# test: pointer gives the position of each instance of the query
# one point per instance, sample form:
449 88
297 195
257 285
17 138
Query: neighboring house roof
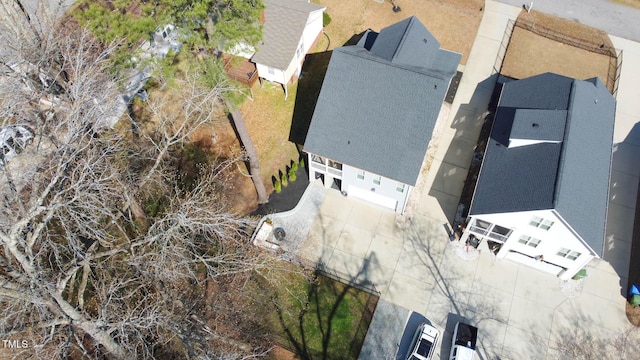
380 100
284 23
570 176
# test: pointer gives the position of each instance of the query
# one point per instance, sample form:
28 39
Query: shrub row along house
542 192
376 112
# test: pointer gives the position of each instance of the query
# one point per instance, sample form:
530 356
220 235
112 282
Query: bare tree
80 275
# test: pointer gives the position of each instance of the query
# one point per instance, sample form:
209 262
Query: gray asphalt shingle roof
284 23
377 113
538 124
571 177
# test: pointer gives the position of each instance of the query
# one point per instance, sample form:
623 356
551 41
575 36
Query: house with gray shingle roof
542 193
291 28
376 112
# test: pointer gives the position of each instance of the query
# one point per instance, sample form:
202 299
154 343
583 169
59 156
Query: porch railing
480 231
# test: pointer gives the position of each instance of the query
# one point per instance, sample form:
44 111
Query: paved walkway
522 313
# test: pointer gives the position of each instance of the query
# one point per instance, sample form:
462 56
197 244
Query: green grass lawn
319 318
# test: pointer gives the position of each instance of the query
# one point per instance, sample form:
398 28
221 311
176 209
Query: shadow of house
623 223
467 124
309 85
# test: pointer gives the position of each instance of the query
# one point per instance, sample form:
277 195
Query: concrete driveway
522 313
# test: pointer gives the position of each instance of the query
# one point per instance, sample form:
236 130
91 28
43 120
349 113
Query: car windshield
424 347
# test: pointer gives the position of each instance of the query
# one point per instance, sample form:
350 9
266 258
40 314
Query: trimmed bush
302 162
294 167
292 175
284 180
326 19
277 187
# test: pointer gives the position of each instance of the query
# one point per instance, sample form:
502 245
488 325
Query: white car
424 342
14 139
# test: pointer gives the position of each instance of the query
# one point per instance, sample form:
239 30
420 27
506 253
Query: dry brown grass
530 54
633 314
268 119
632 3
453 22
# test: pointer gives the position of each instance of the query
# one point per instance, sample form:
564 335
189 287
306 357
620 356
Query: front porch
484 229
329 169
485 235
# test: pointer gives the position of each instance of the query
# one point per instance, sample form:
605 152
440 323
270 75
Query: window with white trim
377 179
300 50
541 223
360 174
529 241
270 70
568 254
400 187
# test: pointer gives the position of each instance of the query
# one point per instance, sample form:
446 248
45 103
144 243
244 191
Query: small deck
240 69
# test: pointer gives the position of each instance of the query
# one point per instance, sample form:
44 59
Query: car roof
428 335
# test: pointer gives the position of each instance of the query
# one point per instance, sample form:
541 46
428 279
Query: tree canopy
205 22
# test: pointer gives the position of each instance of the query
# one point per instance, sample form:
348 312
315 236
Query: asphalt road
611 17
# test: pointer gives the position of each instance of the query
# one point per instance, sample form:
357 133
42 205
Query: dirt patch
543 43
530 54
453 22
222 141
280 353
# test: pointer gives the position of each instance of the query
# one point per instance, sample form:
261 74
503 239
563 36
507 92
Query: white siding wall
309 35
312 30
278 76
552 240
386 188
294 68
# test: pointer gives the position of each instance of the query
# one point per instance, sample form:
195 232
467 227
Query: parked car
463 346
14 139
424 342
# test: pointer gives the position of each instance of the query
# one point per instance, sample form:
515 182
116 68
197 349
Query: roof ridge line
403 38
378 59
563 143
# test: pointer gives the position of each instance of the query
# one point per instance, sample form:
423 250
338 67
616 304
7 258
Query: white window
300 50
400 187
317 159
568 254
376 180
541 223
528 240
360 174
270 70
